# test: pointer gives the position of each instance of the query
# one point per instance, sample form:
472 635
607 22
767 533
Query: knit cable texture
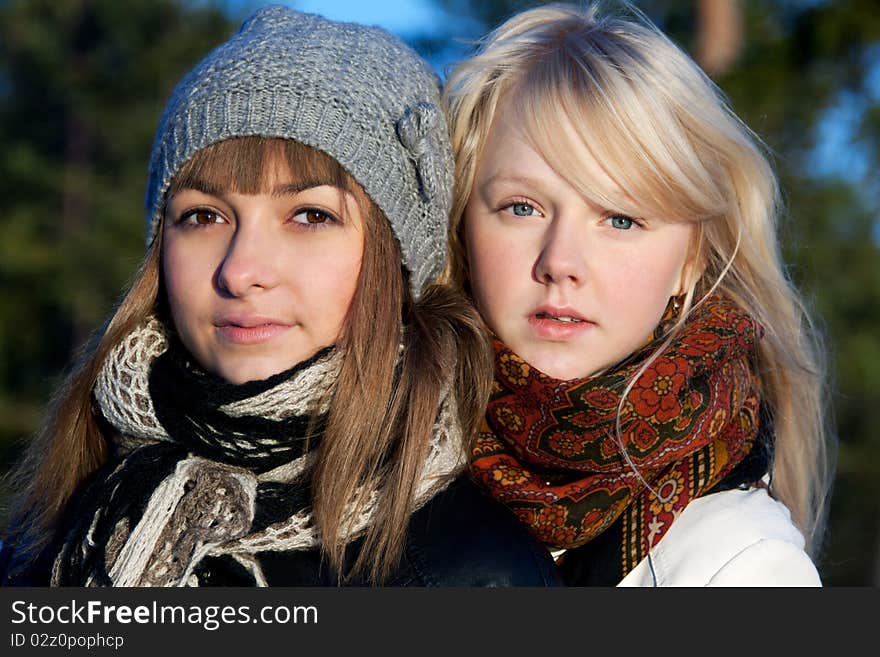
357 93
205 507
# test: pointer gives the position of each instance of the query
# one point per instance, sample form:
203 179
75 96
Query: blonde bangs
642 141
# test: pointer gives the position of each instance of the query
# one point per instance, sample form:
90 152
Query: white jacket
730 538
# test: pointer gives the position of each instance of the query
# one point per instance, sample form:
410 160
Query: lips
564 319
558 314
250 329
558 323
247 321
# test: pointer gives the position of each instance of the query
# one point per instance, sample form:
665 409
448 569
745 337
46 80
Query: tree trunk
719 34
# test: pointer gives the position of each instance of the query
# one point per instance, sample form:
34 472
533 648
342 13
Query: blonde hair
665 135
389 403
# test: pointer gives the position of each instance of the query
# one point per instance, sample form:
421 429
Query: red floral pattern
688 419
657 391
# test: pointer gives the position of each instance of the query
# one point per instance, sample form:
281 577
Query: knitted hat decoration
357 93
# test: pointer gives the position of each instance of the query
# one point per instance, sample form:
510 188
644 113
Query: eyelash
521 201
193 212
188 215
329 218
637 223
607 218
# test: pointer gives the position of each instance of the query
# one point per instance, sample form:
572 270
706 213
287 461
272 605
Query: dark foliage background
82 83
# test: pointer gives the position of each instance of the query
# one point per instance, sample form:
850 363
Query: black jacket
461 537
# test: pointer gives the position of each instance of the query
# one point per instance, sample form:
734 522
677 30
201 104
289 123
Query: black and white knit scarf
206 468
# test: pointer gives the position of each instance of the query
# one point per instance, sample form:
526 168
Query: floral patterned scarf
550 449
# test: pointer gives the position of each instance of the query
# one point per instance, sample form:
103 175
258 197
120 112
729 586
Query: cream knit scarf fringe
205 508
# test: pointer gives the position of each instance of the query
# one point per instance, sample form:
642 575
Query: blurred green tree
82 83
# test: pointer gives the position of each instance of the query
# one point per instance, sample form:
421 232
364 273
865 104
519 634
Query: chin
565 372
564 367
253 372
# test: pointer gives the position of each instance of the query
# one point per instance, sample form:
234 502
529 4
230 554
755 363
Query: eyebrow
503 179
202 186
286 189
290 189
499 179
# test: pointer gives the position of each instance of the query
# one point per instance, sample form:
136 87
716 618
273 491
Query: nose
562 254
248 264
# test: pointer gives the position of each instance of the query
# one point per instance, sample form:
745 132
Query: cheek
189 267
331 283
182 274
345 285
650 283
653 280
495 267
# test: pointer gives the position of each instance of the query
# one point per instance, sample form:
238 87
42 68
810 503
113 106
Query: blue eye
622 223
523 210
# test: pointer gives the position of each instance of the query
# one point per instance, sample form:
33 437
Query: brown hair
387 401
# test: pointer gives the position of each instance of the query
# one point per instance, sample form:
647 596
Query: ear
694 265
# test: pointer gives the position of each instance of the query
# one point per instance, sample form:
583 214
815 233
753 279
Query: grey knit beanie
357 93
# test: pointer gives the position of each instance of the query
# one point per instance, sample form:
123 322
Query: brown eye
201 217
313 217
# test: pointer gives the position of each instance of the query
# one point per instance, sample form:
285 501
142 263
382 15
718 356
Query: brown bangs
240 165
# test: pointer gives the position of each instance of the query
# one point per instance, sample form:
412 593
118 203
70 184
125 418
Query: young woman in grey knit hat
282 396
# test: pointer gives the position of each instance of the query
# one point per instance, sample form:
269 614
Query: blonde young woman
282 395
657 416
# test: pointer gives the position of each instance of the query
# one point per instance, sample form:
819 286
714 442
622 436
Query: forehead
517 148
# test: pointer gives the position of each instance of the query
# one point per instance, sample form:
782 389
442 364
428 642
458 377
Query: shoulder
17 568
462 537
730 538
